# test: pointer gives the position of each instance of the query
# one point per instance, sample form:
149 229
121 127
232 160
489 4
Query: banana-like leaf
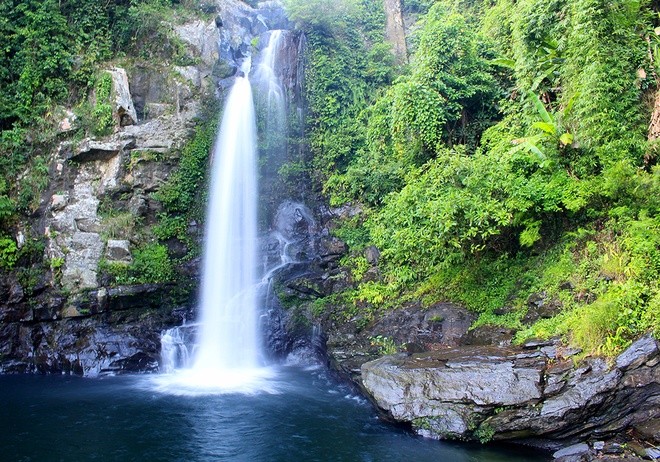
540 108
504 62
550 129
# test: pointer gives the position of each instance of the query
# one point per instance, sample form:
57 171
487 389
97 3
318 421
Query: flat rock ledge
528 395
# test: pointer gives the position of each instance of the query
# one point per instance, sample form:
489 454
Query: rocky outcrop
124 110
536 394
395 31
352 343
102 331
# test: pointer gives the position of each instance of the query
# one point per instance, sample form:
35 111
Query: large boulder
484 393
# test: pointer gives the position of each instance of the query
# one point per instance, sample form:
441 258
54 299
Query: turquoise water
304 416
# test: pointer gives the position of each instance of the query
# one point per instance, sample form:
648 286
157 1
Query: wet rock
90 150
533 344
653 453
138 205
649 430
15 294
410 328
516 393
176 248
67 121
202 37
58 202
372 255
330 251
138 362
489 335
573 450
638 353
136 296
540 307
148 176
81 263
394 30
222 70
424 385
191 74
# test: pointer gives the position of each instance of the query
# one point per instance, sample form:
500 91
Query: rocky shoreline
538 394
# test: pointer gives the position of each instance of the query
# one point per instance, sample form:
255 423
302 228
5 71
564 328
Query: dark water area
303 417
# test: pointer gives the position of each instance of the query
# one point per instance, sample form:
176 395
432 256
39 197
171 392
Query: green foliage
50 56
7 205
604 51
151 264
119 225
553 199
8 253
36 61
348 62
181 192
385 345
321 15
484 433
32 184
448 98
182 195
102 112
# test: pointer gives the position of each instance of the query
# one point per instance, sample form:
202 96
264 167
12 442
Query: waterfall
228 337
226 355
271 92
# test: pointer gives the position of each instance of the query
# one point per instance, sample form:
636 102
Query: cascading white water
226 355
270 88
228 339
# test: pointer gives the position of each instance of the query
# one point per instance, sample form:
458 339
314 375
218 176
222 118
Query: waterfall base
201 382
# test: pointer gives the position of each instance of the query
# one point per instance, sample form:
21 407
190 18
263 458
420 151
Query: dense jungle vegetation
52 58
509 166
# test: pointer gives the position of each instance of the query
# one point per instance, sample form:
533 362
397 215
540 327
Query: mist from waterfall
271 92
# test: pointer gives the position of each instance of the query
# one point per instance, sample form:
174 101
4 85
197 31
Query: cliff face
395 31
99 205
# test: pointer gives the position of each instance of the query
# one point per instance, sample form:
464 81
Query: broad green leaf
546 127
504 62
540 108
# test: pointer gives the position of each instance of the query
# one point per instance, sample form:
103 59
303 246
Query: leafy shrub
151 264
8 253
102 111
